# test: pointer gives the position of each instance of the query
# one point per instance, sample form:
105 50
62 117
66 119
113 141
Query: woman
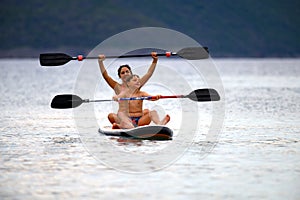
124 71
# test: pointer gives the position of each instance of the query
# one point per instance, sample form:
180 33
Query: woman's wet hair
120 68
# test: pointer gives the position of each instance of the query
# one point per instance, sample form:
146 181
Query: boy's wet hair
131 77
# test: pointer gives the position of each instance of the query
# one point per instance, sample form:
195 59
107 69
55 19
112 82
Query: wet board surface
141 132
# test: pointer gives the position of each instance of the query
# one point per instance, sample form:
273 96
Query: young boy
135 117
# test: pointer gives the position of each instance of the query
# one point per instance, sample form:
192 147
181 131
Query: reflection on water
257 155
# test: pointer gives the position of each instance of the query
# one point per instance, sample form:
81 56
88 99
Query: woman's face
125 72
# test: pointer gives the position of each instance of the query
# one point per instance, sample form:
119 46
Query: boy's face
134 83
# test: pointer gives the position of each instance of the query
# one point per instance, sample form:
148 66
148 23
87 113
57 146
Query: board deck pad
142 132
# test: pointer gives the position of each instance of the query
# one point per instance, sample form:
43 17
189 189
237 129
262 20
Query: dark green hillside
229 28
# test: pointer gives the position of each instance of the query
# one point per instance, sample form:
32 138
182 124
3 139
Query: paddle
56 59
65 101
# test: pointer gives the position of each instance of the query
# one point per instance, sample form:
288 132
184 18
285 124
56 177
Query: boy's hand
115 98
158 96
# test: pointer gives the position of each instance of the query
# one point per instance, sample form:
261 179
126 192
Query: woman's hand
154 56
101 57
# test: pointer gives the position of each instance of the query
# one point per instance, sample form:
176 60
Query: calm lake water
43 155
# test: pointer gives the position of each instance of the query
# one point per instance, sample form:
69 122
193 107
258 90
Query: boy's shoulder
142 93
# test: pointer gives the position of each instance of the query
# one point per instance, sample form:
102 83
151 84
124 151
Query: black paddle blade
54 59
65 101
193 53
204 95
